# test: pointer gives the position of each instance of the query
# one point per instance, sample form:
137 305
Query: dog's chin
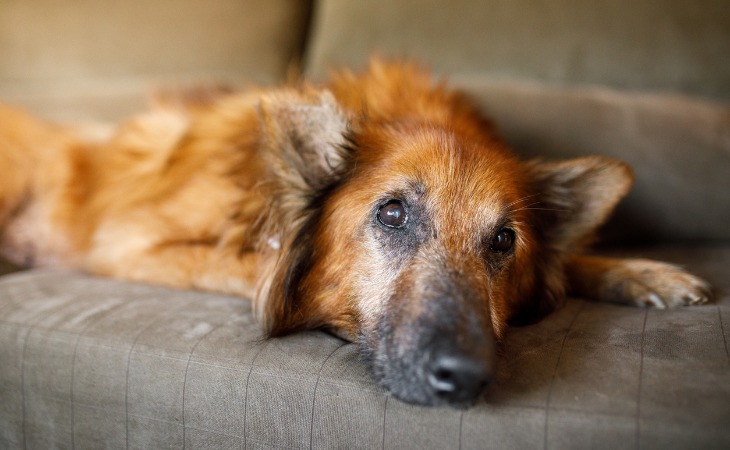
422 397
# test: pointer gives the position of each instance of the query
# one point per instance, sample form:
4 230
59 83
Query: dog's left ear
577 196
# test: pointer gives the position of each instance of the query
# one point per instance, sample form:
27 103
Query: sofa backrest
670 45
77 60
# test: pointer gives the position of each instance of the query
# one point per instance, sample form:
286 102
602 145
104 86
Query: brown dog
381 207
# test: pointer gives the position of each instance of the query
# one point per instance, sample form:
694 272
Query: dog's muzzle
435 345
428 364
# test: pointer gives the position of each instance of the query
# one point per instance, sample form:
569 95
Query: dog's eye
393 214
503 241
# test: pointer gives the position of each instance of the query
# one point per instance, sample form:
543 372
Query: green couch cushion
99 60
670 45
91 363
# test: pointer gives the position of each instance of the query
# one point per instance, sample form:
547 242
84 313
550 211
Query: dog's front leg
639 282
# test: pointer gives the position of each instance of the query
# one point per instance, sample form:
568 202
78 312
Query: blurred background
647 81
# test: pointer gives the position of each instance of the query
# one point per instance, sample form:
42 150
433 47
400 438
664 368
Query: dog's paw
660 285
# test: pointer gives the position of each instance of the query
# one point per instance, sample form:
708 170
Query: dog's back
66 192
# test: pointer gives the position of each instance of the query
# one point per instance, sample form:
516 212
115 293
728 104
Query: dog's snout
458 378
440 346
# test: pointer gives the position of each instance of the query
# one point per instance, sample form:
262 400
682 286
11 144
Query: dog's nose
458 378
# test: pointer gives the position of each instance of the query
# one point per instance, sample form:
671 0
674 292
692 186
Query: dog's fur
285 196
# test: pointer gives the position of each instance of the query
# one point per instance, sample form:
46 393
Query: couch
88 362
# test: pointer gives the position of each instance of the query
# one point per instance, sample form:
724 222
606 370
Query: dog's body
380 206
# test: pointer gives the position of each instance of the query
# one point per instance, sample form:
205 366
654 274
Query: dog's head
418 240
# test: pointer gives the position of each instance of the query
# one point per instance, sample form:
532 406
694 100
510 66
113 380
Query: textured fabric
99 60
95 363
669 45
679 148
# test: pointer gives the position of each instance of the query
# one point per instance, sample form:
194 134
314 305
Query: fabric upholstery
99 60
96 363
665 46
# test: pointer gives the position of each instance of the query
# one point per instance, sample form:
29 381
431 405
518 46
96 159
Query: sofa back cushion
671 45
71 60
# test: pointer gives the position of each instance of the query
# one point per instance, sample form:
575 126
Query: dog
381 206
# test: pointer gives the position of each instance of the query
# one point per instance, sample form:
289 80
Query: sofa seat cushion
89 362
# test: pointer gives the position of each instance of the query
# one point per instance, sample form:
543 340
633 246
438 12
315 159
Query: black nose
458 378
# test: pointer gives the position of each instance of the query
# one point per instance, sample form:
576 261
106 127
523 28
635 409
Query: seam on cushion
641 376
555 374
314 394
31 328
385 414
73 370
263 344
126 378
185 378
724 337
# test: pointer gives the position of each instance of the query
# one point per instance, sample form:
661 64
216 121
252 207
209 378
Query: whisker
542 209
527 206
521 200
531 206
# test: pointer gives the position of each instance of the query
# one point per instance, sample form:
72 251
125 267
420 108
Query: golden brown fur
279 195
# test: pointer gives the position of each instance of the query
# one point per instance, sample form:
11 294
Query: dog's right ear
303 137
573 199
577 197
